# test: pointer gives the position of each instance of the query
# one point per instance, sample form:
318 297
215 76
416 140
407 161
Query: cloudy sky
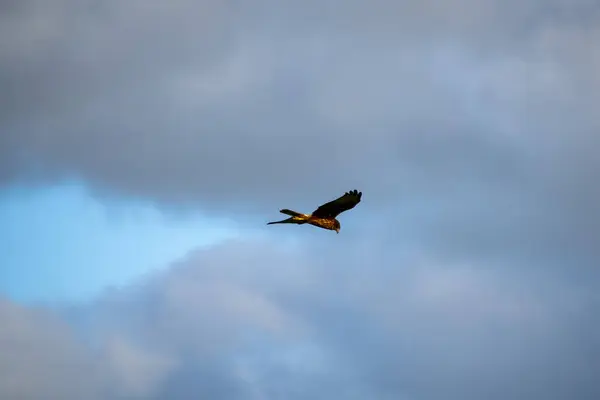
145 144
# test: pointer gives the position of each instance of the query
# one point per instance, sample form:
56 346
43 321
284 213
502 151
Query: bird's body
324 216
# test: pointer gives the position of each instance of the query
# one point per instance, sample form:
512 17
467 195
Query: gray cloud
247 320
197 101
469 269
41 358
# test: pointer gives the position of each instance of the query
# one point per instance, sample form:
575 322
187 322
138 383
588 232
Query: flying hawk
324 216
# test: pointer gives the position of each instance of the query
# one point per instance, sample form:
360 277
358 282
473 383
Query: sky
146 144
58 242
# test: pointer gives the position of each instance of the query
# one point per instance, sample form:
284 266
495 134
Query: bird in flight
324 216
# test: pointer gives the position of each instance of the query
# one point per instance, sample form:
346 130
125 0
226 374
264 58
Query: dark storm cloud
220 102
469 270
252 320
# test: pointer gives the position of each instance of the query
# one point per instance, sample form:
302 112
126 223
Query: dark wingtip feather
355 193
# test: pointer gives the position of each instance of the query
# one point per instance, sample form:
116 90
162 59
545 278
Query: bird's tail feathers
295 218
290 212
283 221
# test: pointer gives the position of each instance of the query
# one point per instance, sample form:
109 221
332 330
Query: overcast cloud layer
469 271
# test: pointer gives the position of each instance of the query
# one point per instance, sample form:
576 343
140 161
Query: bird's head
336 226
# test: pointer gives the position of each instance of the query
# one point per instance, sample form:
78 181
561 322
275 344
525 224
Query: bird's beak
337 231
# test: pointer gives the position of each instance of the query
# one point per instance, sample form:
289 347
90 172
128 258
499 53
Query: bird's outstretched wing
339 205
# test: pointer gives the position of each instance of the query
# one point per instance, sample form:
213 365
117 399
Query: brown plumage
324 216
